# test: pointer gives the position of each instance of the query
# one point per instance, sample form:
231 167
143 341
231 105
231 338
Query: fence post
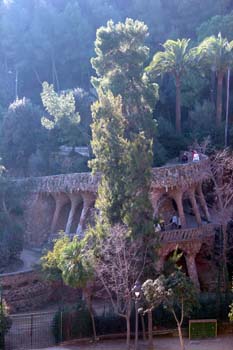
61 326
31 331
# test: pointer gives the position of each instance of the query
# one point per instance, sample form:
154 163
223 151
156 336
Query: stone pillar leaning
192 198
60 200
75 199
155 195
203 202
178 197
88 201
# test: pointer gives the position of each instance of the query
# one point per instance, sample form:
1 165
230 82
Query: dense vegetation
130 120
53 41
11 223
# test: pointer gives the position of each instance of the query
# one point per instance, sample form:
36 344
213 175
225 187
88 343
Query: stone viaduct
65 202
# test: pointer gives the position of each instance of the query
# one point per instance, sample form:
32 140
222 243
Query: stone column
194 206
75 200
178 197
88 201
192 269
203 202
154 198
60 200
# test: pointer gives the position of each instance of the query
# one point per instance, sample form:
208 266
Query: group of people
175 223
195 157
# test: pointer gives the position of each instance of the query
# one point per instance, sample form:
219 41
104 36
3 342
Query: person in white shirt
196 157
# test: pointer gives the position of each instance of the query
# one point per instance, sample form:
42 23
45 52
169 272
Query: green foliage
67 261
11 223
75 323
230 315
17 144
174 59
212 306
122 125
76 268
171 142
154 291
215 53
215 25
5 322
181 294
202 121
53 41
61 108
50 261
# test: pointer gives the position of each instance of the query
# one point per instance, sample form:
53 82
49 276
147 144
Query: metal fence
31 331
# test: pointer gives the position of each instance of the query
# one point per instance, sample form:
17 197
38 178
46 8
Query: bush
72 323
213 306
171 143
11 228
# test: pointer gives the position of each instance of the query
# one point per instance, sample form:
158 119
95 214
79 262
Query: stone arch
190 250
166 207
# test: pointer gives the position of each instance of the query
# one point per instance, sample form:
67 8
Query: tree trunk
88 299
143 327
227 106
150 330
178 106
181 337
128 332
224 258
219 100
213 73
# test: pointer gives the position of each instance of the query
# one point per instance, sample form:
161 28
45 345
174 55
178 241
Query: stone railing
181 174
61 183
188 234
169 176
24 290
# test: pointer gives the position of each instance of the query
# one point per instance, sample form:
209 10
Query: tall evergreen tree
123 126
174 60
216 53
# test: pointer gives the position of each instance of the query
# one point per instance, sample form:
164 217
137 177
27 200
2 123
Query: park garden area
117 168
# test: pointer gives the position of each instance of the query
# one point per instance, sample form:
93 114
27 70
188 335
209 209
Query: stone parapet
185 235
166 177
180 175
68 183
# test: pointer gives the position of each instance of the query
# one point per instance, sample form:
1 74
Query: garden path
160 343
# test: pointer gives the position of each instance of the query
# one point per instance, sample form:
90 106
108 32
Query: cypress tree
123 125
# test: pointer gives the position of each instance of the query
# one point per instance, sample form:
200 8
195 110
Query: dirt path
29 258
160 343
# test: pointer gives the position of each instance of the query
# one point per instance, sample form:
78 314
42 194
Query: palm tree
216 52
174 59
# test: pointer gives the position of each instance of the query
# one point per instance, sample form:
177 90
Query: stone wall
25 290
171 176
